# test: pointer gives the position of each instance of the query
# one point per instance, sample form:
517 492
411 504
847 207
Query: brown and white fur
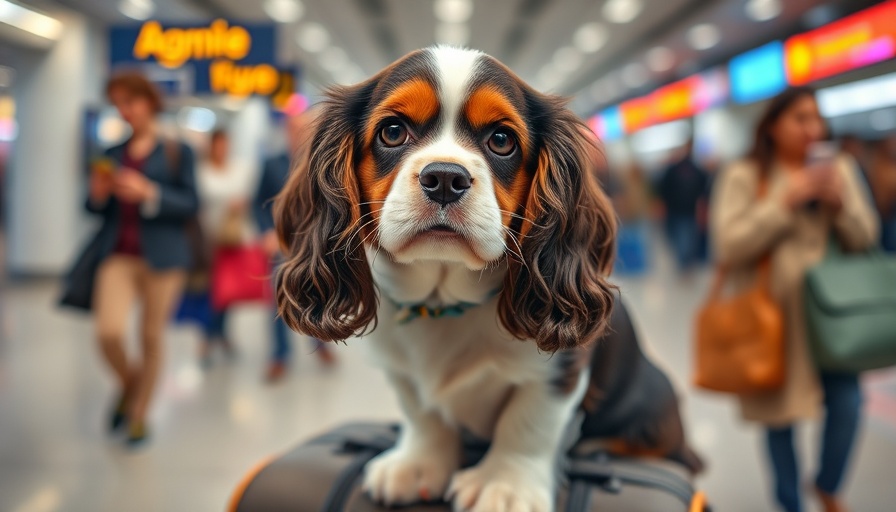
364 228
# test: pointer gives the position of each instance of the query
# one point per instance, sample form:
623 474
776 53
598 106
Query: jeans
888 234
684 235
215 328
843 401
282 346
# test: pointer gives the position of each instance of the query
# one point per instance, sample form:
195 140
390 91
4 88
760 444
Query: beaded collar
410 312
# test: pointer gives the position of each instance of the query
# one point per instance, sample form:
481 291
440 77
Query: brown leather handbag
740 339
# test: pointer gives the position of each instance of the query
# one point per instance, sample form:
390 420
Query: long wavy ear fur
325 289
558 294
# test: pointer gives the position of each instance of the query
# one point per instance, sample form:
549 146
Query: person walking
224 188
802 207
882 177
145 199
682 188
273 177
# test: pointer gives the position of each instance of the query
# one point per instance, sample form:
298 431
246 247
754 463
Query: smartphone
104 165
820 160
821 156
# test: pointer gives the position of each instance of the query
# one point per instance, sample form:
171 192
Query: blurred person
145 200
682 188
793 221
224 187
274 175
857 149
882 178
632 202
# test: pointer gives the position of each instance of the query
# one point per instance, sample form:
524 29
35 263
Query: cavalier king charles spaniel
451 215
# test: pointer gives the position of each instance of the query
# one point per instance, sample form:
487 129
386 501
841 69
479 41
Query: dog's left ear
558 294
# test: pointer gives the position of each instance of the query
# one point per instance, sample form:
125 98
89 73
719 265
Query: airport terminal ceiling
562 45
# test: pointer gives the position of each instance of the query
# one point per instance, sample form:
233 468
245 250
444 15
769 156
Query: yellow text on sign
228 77
173 47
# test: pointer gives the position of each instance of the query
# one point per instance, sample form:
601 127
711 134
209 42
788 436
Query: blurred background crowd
174 122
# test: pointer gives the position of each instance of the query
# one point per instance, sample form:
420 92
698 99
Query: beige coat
745 228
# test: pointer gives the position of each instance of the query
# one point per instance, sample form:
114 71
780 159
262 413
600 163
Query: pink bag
240 274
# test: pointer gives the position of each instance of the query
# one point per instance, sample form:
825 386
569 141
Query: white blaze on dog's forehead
455 68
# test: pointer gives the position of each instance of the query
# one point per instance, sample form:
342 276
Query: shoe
829 502
119 415
276 372
326 356
323 352
205 356
230 351
138 434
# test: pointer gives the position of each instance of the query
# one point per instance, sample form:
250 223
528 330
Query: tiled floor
211 426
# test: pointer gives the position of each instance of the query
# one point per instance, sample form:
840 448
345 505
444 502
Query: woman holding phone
785 201
145 194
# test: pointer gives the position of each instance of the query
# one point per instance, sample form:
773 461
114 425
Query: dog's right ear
325 288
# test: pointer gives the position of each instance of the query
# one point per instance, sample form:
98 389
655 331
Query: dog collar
410 312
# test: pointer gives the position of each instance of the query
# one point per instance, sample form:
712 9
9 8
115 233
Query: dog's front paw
500 488
402 476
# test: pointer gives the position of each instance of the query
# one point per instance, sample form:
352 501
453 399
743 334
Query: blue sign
216 57
611 121
758 74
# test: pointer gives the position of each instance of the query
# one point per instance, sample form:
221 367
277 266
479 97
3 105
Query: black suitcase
324 475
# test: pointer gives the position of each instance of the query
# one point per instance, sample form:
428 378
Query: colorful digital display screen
855 41
758 74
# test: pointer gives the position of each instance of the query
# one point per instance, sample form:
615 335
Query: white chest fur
463 367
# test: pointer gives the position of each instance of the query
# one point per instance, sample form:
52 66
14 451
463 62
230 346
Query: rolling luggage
325 475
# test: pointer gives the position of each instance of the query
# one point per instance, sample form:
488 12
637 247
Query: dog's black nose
445 182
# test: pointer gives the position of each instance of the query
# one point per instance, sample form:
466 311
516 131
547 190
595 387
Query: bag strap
765 264
612 479
364 450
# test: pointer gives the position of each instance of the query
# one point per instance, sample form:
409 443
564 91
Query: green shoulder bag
850 302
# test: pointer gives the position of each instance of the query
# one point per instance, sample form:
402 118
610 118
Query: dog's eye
394 134
501 143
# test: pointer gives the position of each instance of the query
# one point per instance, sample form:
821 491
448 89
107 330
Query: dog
630 406
450 214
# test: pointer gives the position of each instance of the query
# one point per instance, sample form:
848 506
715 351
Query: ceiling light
456 34
763 10
622 11
284 11
704 36
590 37
567 59
313 37
7 75
634 75
549 77
660 59
137 9
599 91
30 21
606 89
349 74
333 58
453 11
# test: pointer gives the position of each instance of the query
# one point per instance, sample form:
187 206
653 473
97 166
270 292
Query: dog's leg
420 465
518 474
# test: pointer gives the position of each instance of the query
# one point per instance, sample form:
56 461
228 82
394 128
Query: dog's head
447 155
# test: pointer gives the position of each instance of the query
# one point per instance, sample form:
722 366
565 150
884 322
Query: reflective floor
212 425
